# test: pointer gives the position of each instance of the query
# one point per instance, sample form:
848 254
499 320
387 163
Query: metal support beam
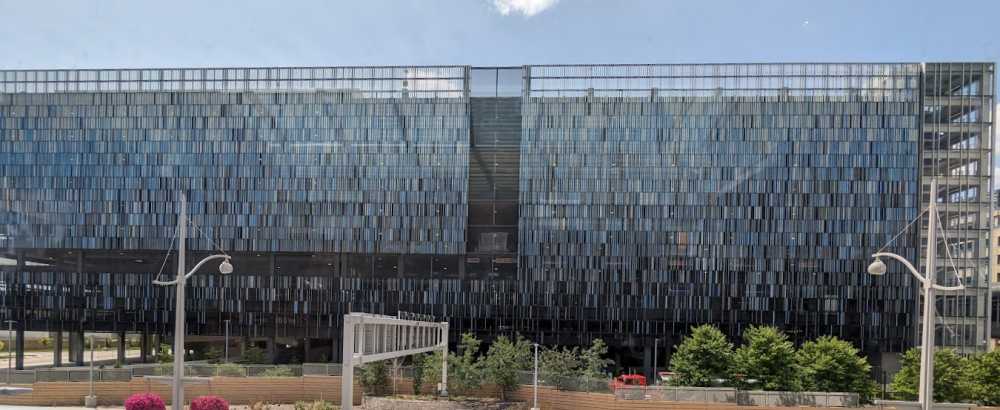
372 338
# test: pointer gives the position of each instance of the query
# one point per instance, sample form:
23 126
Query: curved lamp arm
914 271
193 270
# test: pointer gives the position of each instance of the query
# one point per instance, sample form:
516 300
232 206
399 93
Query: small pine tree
592 360
254 355
504 360
464 369
559 367
374 377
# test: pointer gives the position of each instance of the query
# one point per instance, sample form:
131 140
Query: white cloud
526 7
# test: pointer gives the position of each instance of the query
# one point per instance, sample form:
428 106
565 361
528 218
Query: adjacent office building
562 202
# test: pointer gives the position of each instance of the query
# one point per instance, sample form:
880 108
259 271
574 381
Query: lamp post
227 343
535 383
177 397
91 399
10 342
877 268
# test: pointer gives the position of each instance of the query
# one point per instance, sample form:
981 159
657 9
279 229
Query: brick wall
239 390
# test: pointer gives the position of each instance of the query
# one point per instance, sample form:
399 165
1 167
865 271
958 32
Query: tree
766 360
984 374
951 383
417 361
431 365
464 369
833 365
253 355
504 360
374 377
593 361
164 356
213 354
702 358
559 367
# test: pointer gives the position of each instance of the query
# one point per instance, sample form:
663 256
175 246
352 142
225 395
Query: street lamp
224 268
878 268
535 382
227 340
10 342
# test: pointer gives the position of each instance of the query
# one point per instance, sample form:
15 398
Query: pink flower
209 403
144 401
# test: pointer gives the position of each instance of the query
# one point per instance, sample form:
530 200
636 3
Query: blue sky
122 33
209 33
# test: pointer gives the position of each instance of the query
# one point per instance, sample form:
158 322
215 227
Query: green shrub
278 371
559 367
213 354
833 365
164 355
951 380
702 359
374 377
504 360
165 369
254 355
418 372
768 358
984 372
465 370
316 405
230 370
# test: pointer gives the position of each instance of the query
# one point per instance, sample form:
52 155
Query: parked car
627 380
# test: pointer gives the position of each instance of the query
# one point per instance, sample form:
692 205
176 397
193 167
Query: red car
627 380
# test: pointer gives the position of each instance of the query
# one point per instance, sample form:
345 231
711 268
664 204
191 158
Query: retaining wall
237 390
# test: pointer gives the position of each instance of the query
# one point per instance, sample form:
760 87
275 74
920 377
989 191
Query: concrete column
144 347
57 348
156 346
76 348
647 362
19 347
335 353
272 349
122 345
305 350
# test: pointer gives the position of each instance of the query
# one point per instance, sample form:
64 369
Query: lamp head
225 267
877 268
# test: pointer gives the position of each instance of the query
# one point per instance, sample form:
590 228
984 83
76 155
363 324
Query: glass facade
733 195
627 202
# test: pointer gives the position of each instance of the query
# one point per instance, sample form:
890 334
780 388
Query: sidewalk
36 359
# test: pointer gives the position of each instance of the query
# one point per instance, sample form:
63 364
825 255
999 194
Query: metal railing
740 397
